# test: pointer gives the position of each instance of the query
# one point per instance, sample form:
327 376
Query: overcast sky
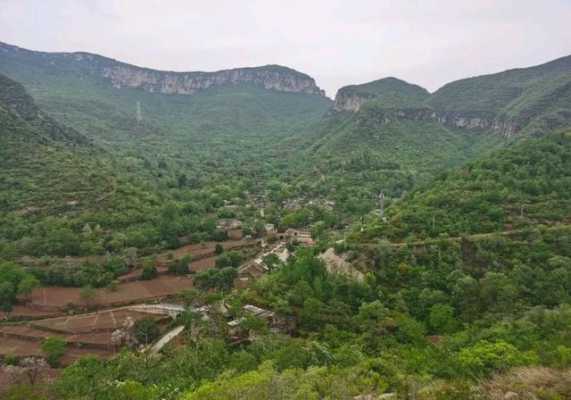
338 42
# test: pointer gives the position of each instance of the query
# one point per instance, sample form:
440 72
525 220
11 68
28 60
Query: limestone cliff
478 121
271 77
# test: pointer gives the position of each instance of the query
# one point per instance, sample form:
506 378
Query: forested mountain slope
118 103
533 100
357 155
522 186
40 159
61 195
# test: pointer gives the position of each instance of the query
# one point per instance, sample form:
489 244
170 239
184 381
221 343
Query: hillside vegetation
535 98
461 290
525 185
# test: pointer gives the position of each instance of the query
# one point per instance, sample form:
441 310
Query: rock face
348 102
122 75
477 121
271 77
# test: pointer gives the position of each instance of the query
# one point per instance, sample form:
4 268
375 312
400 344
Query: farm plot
207 249
85 334
58 298
103 321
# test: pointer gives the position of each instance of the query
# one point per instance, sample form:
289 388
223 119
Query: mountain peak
389 92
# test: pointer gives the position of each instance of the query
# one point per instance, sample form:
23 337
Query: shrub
485 357
54 348
146 331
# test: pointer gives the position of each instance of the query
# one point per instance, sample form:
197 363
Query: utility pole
139 114
382 203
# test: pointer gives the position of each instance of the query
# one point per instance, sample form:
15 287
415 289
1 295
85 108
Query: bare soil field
25 312
58 298
24 348
102 321
85 333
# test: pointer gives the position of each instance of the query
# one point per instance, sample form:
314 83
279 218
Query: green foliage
529 96
149 272
266 383
441 318
54 349
229 259
479 258
220 279
23 392
514 188
146 331
14 280
180 267
485 357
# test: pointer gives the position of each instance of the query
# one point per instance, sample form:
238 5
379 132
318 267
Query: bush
54 348
149 272
146 331
218 249
484 357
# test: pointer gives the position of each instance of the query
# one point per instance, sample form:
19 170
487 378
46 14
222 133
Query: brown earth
58 298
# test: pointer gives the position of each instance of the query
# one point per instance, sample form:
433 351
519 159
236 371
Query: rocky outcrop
477 121
271 77
388 92
348 102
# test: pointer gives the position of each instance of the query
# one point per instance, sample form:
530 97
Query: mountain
530 100
56 182
351 157
40 159
394 136
16 104
120 74
120 105
387 93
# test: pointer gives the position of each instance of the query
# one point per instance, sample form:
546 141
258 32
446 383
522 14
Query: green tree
27 285
485 357
218 249
149 272
54 349
146 330
441 319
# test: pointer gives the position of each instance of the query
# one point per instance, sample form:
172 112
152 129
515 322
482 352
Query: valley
389 242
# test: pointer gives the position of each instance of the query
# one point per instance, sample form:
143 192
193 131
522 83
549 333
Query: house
248 273
301 236
270 230
259 312
232 227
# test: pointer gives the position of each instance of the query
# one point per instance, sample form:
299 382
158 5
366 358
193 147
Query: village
104 322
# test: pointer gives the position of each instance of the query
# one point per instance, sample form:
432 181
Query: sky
338 42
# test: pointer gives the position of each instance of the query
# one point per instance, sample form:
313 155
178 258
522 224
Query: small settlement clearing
104 325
